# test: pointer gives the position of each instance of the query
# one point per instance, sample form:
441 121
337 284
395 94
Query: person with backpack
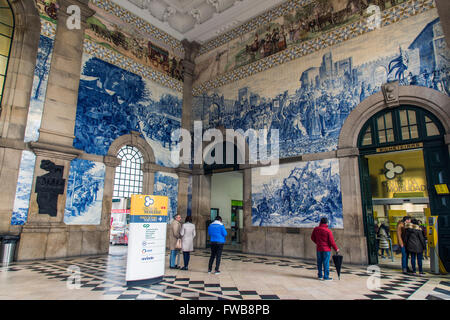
324 240
415 244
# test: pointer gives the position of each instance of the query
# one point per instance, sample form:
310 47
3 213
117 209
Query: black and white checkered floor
105 275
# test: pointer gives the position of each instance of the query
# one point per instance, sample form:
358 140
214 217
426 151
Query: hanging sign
147 239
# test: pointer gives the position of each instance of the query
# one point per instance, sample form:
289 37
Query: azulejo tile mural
130 36
122 33
166 184
112 102
312 97
23 189
298 196
38 93
294 34
84 192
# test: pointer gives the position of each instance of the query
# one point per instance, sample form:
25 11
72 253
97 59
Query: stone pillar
201 204
247 196
58 118
443 8
351 241
45 236
191 49
149 177
15 104
183 185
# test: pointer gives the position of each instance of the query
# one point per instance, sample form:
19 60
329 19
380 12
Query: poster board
147 239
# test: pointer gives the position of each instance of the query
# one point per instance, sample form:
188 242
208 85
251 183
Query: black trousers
216 253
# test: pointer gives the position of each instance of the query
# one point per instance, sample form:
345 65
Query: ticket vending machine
432 239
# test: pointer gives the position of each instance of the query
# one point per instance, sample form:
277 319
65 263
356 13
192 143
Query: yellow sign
398 175
149 205
441 189
401 147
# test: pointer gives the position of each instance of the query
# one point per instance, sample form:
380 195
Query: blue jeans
173 257
323 260
404 258
419 261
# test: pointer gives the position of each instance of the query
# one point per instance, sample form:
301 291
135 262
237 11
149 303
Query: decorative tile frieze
334 37
254 23
139 23
48 29
119 60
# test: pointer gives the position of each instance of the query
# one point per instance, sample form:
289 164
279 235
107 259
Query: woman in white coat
187 240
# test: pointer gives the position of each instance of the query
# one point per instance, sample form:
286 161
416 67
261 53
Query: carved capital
111 161
54 151
191 50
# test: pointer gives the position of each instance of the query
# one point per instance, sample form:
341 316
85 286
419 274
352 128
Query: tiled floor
243 276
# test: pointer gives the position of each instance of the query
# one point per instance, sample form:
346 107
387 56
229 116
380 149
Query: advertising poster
147 239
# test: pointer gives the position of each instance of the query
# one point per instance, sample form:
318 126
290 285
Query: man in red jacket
323 238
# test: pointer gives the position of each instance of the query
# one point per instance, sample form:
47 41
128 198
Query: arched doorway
227 189
354 205
402 157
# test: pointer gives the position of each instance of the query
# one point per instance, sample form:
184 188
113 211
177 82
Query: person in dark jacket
415 244
324 240
217 233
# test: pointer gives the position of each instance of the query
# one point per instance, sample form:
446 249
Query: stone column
247 196
15 104
191 49
58 118
149 177
45 236
352 241
183 186
201 204
443 8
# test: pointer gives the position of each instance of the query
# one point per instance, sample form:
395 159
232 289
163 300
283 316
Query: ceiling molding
196 20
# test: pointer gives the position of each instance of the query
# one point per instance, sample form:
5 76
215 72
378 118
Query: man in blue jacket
217 233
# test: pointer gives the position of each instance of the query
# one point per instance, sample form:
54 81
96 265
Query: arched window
6 35
129 176
405 124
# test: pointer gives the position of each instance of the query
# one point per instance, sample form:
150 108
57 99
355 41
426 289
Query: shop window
6 34
129 176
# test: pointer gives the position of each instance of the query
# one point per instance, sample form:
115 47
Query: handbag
178 244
